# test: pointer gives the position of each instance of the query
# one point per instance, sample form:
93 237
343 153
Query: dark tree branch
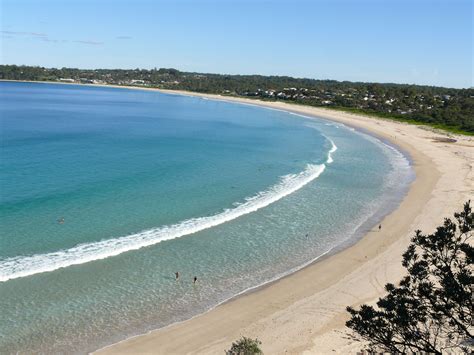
431 308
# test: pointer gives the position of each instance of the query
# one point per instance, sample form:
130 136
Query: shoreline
358 234
254 313
305 310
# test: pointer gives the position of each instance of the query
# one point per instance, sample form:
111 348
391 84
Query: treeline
447 108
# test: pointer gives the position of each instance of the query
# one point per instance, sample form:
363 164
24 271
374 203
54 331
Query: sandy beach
304 313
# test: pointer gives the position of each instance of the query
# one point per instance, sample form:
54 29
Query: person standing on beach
177 275
380 227
194 280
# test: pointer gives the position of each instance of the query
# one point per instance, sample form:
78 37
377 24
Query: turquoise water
149 184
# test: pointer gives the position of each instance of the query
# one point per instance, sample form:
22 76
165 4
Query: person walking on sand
380 227
194 280
177 275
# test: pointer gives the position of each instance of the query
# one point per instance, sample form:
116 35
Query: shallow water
149 184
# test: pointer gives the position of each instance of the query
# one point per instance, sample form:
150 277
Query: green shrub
245 346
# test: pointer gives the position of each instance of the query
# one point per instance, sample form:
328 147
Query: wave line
332 150
22 266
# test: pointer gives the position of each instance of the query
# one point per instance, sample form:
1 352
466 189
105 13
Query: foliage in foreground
245 346
431 309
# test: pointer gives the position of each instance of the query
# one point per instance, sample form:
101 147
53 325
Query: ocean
105 193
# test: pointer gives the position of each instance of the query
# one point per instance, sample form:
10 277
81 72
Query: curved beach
305 312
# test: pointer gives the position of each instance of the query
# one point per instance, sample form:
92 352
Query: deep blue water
149 184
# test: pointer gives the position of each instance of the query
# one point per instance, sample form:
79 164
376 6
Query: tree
431 309
245 346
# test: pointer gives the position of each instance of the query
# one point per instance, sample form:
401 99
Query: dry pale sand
305 312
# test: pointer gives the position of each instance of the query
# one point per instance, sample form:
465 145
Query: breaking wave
21 266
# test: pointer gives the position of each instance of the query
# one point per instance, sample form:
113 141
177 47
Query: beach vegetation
245 346
430 310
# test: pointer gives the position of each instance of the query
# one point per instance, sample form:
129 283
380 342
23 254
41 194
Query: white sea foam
332 150
22 266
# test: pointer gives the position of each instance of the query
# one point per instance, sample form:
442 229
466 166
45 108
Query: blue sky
403 41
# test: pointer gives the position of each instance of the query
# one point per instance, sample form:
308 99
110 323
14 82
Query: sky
426 42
